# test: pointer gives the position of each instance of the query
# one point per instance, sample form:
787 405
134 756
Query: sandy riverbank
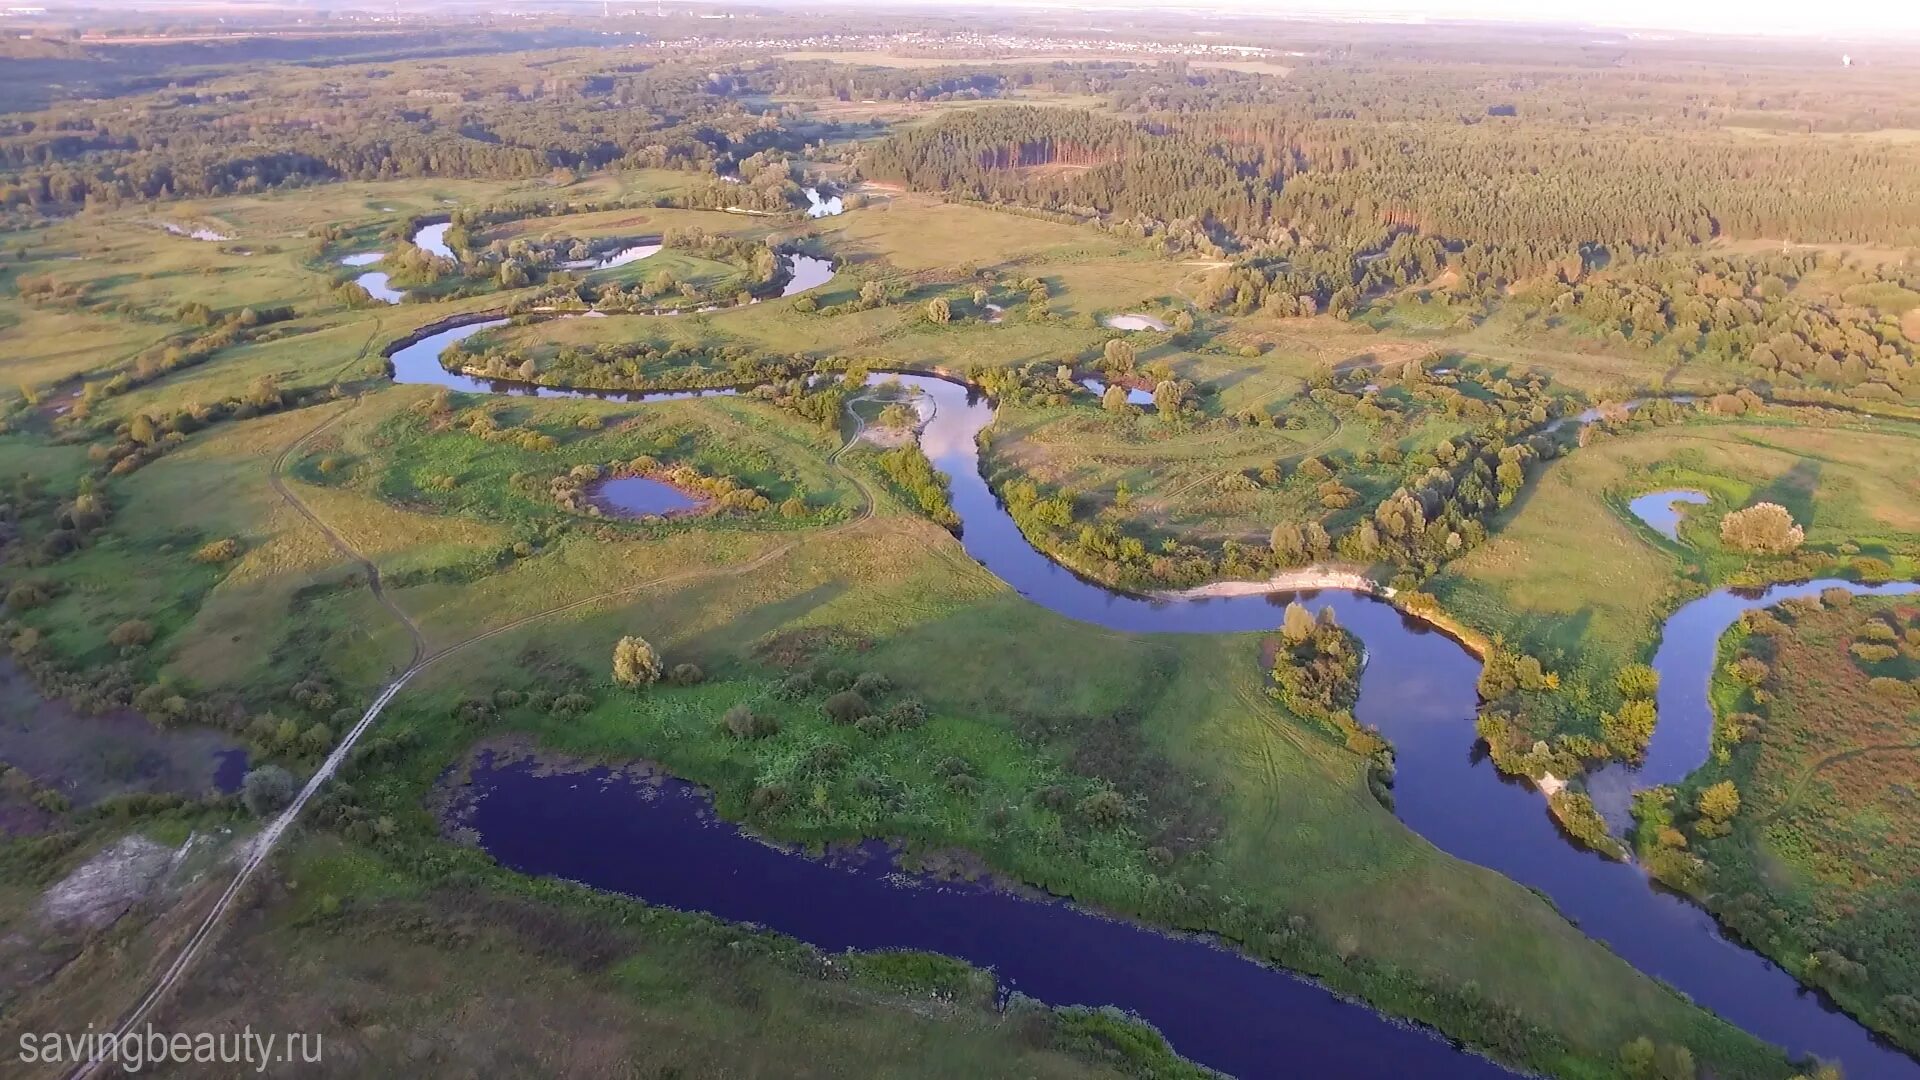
1301 580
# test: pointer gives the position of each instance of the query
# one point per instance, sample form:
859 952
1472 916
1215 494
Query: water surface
1661 509
1133 322
1214 1005
1135 395
433 239
640 496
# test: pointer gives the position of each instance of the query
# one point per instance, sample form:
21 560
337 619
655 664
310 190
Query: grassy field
1573 579
1819 868
1237 817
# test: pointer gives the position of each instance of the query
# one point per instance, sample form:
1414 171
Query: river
1418 688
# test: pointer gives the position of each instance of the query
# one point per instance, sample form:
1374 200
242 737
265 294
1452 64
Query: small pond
640 496
823 207
1133 322
88 757
1661 509
1135 396
433 239
808 273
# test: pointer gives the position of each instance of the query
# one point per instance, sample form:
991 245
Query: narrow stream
1418 689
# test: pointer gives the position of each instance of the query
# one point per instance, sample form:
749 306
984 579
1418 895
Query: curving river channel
1215 1006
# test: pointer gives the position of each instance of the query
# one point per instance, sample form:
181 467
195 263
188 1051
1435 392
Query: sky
1813 17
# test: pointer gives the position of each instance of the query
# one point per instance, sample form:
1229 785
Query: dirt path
1806 779
262 845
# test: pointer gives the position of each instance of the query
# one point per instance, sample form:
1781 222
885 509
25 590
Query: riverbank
1304 579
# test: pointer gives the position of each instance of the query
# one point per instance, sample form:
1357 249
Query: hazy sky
1771 16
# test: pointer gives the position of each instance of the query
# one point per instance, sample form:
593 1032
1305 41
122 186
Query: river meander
1216 1007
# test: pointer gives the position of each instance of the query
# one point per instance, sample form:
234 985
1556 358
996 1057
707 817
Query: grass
1571 578
1243 817
1823 855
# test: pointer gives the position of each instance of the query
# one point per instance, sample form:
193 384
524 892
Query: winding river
1214 1006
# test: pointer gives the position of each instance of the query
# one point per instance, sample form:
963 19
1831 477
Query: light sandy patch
102 889
1302 580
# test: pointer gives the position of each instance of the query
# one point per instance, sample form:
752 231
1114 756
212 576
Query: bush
687 675
1764 529
742 722
846 707
131 634
907 713
266 790
27 595
635 663
1104 809
872 684
218 551
1638 681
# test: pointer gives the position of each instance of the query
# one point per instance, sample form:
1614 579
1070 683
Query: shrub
687 675
266 789
1638 681
218 551
131 634
1104 809
795 686
872 684
907 713
846 707
27 595
832 678
635 663
742 722
1764 529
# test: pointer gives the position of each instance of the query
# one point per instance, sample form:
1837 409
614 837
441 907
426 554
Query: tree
1118 357
939 311
1167 397
635 663
131 634
141 430
1298 623
266 789
873 294
1629 727
1114 399
1718 803
1637 681
1286 542
1764 529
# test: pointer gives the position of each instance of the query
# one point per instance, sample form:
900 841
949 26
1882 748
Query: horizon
1780 18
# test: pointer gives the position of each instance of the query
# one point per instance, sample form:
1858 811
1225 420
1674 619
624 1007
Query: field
223 526
440 511
1819 868
1574 580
